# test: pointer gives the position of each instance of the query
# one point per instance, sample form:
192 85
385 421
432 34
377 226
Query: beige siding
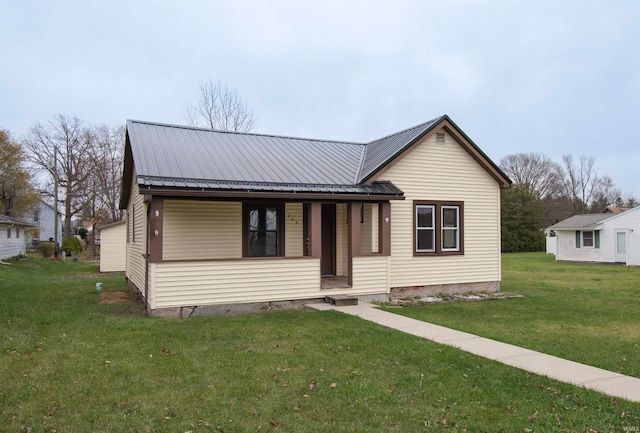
231 281
374 228
370 275
201 230
136 227
445 172
365 231
294 242
181 284
112 248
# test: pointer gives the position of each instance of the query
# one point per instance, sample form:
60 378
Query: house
42 217
220 222
609 237
12 237
113 247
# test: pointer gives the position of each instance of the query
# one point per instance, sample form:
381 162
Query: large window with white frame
438 228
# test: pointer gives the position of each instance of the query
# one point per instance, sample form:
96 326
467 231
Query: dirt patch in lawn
116 297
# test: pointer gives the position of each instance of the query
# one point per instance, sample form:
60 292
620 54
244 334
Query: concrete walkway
606 382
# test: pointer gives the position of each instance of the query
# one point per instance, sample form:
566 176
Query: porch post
353 220
156 216
384 228
315 229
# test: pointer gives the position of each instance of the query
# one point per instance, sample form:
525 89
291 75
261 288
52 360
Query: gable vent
439 137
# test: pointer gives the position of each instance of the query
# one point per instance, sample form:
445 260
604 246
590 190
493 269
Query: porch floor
335 282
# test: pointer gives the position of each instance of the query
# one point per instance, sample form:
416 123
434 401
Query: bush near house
46 249
71 245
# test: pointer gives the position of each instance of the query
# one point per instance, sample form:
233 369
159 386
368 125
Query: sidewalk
606 382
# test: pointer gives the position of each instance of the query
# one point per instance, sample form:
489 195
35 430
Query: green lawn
69 364
589 313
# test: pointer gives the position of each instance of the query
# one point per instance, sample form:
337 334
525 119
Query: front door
621 246
328 262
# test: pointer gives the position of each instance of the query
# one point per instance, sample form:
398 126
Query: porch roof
217 188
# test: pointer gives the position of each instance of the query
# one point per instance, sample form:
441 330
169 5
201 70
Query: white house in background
605 237
12 238
42 217
113 247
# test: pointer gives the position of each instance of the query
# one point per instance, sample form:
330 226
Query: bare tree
219 107
532 169
583 186
65 145
108 157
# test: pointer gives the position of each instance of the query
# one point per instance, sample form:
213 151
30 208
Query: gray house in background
42 217
12 238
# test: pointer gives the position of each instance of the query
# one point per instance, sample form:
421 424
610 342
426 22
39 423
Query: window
588 239
36 215
425 228
263 230
438 228
8 232
17 233
450 228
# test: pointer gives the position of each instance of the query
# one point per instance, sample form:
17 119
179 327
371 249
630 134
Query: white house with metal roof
604 237
223 221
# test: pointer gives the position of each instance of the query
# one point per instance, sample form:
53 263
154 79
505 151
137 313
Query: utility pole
55 195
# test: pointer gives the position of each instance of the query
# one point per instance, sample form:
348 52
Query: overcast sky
552 77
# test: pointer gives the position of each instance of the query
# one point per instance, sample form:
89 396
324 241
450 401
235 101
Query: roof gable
188 158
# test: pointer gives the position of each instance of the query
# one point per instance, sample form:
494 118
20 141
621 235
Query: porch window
263 230
438 228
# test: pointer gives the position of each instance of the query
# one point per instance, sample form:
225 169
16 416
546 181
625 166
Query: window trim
438 207
280 237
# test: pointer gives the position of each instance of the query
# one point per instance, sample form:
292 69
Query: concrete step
341 300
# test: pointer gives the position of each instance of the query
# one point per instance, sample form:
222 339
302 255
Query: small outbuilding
608 237
113 247
12 237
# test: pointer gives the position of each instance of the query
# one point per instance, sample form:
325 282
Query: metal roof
172 158
378 152
579 222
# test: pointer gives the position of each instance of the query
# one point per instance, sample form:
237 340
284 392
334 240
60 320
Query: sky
550 77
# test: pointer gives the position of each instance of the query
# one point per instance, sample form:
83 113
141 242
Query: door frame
329 231
616 257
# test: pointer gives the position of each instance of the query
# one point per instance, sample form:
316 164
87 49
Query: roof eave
261 195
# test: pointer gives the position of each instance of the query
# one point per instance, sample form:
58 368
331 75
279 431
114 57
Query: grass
589 313
70 364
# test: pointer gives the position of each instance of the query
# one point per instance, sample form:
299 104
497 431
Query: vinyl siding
13 246
196 230
180 284
294 230
136 249
445 173
112 245
230 281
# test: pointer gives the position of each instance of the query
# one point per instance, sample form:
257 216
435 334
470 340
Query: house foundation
444 289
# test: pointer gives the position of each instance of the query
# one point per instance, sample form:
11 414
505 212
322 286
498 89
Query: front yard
589 313
70 364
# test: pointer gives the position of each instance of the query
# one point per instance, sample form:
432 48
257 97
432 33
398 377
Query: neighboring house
42 217
13 241
113 247
217 219
608 237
